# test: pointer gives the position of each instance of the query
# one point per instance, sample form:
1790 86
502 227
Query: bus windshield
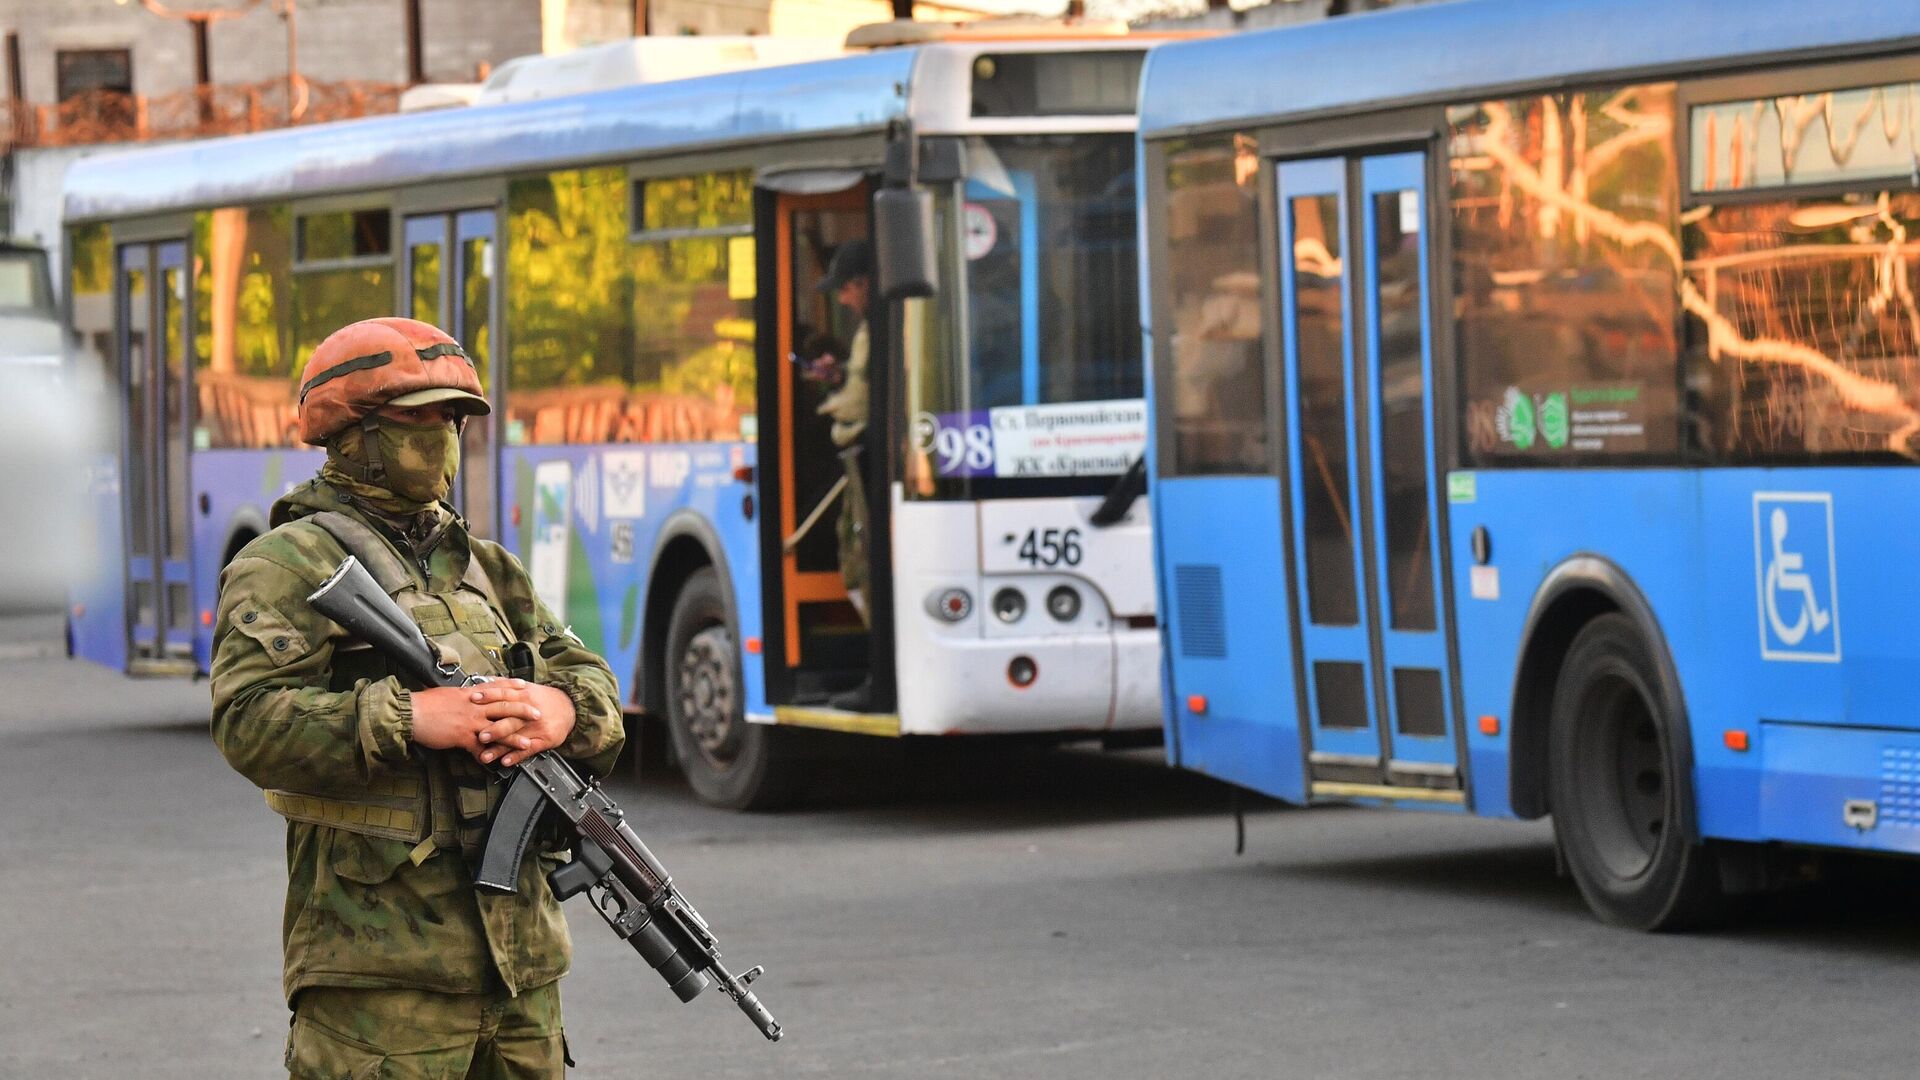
1029 379
24 288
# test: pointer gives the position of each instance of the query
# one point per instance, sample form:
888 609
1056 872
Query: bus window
1048 381
24 283
693 289
1564 212
569 312
1802 333
1837 136
245 372
326 300
1319 324
90 295
1213 308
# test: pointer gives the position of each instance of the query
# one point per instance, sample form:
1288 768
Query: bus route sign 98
1084 438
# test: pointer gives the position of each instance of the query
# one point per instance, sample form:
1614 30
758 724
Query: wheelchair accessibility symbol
1794 569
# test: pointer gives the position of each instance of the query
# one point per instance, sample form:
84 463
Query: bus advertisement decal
552 533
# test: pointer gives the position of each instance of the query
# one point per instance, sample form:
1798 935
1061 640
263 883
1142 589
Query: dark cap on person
853 259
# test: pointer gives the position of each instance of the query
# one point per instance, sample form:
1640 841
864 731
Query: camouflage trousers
347 1034
853 532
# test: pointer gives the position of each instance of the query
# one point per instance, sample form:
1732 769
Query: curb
35 650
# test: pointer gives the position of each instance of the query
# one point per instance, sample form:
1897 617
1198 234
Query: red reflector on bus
514 514
1489 725
206 618
1736 740
753 645
1197 704
79 611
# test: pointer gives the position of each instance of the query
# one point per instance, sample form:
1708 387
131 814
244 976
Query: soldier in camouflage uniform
394 965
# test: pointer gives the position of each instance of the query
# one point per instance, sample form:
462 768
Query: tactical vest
443 799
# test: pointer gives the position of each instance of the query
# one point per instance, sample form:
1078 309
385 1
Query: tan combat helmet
375 362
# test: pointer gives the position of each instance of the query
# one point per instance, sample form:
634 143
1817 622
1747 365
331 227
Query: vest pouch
367 860
393 806
475 619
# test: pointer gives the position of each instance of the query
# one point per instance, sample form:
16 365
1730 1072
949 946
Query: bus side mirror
905 245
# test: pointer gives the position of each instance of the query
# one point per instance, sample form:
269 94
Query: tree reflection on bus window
1567 308
90 292
1804 327
245 365
630 333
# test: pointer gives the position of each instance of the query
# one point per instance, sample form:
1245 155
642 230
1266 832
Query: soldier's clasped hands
507 720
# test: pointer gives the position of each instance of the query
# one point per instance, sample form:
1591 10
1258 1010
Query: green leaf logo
1553 419
1519 419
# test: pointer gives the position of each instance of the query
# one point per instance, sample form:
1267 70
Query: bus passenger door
816 641
154 332
449 282
1360 446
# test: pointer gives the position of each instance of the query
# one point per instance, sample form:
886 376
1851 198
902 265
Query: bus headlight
1063 603
1009 604
950 605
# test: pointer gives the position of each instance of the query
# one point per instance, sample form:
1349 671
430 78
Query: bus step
154 667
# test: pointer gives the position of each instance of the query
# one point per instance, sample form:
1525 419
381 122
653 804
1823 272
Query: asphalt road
1006 915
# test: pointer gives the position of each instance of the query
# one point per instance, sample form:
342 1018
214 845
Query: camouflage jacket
297 709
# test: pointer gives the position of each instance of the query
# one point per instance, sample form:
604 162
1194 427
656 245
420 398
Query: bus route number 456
1050 547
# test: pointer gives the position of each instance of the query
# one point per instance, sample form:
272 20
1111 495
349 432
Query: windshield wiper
1131 485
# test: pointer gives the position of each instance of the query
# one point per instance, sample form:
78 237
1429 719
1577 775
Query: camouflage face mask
419 459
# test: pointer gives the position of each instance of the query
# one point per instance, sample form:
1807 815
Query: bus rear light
1009 604
950 605
206 618
1022 672
1197 704
1736 740
753 646
1489 725
1063 603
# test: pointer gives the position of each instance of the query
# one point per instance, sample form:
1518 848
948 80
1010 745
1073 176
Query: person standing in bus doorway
849 281
394 964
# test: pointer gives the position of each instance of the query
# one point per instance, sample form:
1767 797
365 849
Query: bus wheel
1620 793
728 762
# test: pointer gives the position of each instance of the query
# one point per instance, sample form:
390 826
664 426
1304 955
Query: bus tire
1622 796
727 761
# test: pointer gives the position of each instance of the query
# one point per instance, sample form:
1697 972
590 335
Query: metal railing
106 116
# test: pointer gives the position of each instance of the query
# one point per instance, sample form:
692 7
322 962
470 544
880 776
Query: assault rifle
629 887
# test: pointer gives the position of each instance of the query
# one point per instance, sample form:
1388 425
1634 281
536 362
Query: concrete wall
338 40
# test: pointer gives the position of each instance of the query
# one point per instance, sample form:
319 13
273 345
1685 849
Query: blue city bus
638 271
1536 411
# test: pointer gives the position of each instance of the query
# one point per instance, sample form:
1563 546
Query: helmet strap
370 449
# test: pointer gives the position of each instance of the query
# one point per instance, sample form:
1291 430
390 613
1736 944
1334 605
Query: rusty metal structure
102 116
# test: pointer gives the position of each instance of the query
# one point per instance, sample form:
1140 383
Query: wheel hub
707 695
1624 775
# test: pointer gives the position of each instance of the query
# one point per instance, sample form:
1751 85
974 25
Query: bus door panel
155 328
449 282
1421 745
1344 739
1354 293
819 632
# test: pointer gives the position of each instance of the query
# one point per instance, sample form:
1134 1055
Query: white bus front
1018 607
